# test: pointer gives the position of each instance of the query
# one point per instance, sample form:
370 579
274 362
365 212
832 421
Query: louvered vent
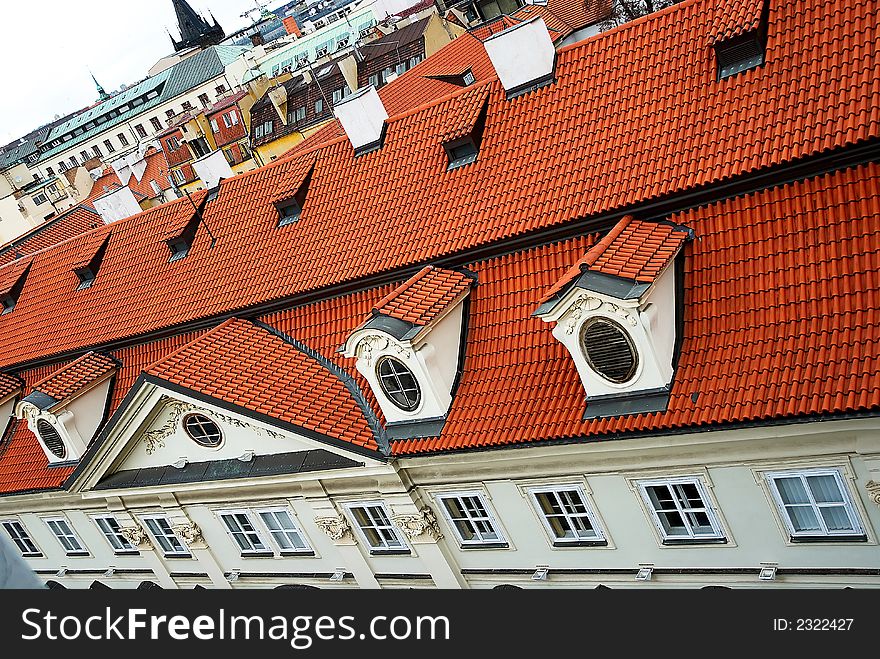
51 439
609 350
735 57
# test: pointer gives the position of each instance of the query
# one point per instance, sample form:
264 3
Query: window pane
791 490
836 518
803 518
824 489
672 523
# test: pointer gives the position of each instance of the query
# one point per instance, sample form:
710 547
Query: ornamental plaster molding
422 523
585 304
190 533
136 536
336 528
155 439
873 488
369 345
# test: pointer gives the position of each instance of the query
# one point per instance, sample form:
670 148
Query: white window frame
402 547
252 537
125 547
479 542
76 546
718 534
21 536
858 531
183 553
599 533
297 529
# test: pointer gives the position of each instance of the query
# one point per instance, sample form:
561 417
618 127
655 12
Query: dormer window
740 39
181 244
398 383
409 350
461 152
52 440
290 210
617 314
86 274
10 292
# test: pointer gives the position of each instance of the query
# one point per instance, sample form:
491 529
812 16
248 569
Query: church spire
102 95
194 29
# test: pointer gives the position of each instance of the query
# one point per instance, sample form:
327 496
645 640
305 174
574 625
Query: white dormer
410 349
65 410
616 313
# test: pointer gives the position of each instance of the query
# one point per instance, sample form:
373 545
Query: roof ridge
599 248
442 99
343 376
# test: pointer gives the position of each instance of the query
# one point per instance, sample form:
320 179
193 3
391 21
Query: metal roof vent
363 116
523 56
50 437
609 350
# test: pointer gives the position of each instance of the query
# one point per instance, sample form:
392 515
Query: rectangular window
179 178
50 171
169 114
187 106
566 515
22 540
123 140
109 526
220 89
74 162
214 125
109 146
374 80
233 119
84 155
66 537
157 125
97 151
296 115
375 527
140 130
319 106
203 99
40 199
815 504
165 537
400 69
471 520
414 60
681 510
62 166
284 531
243 532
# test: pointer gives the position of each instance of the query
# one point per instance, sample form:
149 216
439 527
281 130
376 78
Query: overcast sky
49 47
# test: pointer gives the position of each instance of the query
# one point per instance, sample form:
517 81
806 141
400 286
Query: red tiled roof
8 384
76 376
10 274
67 225
557 27
416 8
487 29
157 170
224 103
742 17
580 13
551 157
424 296
230 362
633 250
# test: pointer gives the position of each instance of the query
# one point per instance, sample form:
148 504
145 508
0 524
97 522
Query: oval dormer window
51 439
609 350
202 430
398 383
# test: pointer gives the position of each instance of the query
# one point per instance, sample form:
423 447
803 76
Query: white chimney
363 116
212 167
117 205
523 56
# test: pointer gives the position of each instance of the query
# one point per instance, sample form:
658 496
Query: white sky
49 47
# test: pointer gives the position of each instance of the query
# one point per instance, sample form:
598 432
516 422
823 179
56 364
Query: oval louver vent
51 439
609 350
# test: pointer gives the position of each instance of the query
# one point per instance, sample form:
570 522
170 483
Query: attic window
609 350
9 299
741 45
51 439
290 210
738 56
89 272
180 245
398 383
461 152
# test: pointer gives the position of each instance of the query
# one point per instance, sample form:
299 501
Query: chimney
278 96
363 116
523 56
211 168
291 26
117 205
257 39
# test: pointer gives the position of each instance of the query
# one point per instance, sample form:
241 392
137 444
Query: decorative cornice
336 528
873 488
423 523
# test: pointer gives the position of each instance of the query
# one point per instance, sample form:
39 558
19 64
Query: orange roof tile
229 363
76 375
8 385
10 275
580 13
71 223
742 17
157 170
556 26
424 296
